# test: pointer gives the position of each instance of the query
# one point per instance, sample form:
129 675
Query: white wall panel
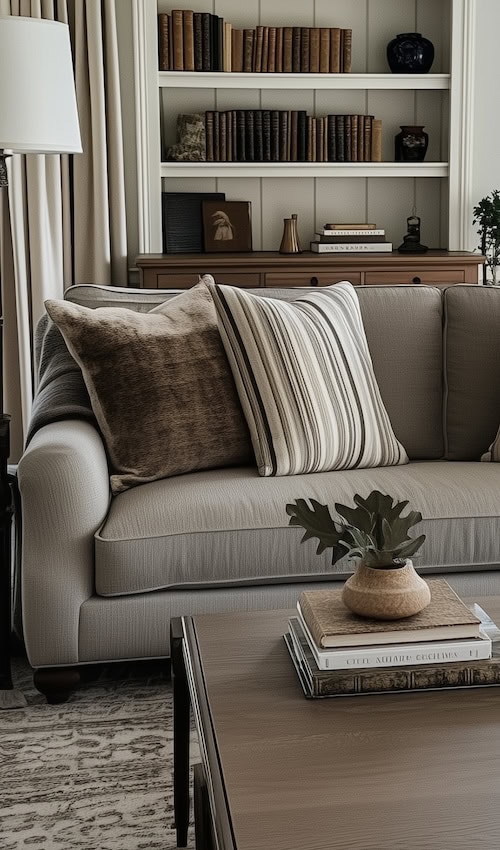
280 198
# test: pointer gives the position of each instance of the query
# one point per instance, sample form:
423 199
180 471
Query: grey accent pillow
306 381
160 386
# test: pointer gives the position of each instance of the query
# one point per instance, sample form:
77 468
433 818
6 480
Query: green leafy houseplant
374 532
487 215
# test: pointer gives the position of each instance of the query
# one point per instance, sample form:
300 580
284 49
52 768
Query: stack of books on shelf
201 41
346 238
447 645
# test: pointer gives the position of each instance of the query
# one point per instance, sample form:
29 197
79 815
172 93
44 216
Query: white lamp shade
38 111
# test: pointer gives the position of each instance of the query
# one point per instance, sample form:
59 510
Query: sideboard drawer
185 281
425 276
310 278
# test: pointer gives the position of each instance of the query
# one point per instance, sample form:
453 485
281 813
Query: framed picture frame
227 226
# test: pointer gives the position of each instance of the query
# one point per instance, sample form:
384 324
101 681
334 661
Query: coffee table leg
181 733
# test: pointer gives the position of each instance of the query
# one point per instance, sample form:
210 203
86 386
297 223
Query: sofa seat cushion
230 526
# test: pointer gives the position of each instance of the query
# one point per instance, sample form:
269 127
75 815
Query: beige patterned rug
94 773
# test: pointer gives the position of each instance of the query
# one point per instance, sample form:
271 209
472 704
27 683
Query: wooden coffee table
402 771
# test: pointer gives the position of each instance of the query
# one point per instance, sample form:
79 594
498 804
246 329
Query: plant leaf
316 521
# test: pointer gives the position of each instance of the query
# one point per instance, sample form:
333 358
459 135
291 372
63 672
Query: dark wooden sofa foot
56 683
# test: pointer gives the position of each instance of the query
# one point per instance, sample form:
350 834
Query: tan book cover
278 59
228 49
377 140
177 39
265 49
271 51
346 61
188 39
258 42
248 41
334 50
287 49
361 226
332 624
314 44
164 41
237 50
324 50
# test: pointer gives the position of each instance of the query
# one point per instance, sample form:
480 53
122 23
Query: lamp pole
38 114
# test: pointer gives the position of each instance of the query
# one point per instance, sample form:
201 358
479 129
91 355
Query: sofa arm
64 484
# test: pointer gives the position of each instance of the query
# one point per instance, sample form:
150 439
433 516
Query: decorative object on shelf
410 145
182 222
227 226
191 140
487 216
411 239
290 243
410 53
385 585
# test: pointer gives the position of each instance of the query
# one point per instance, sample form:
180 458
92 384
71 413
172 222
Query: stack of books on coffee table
448 645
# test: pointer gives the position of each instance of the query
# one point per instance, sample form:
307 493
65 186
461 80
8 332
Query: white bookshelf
438 189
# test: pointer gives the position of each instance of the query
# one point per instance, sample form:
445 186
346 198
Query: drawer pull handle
314 281
416 280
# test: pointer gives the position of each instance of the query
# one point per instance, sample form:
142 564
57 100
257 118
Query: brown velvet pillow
160 386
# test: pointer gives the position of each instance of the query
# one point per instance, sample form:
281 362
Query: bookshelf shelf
304 169
317 82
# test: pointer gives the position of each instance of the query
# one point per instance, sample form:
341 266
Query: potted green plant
385 584
487 216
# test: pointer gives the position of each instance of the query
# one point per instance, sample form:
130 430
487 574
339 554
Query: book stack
345 238
447 645
277 135
201 41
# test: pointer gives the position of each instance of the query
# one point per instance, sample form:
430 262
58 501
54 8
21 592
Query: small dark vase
410 53
410 145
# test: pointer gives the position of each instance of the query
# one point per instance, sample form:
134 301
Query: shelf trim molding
147 128
225 80
463 24
302 169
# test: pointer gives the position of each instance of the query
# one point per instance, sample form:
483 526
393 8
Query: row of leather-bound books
202 41
272 135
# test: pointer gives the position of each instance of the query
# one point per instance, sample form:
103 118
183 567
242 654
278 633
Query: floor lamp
38 114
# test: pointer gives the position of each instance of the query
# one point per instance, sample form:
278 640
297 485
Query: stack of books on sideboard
337 653
347 238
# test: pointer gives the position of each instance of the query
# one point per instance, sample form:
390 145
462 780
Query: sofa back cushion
403 326
472 369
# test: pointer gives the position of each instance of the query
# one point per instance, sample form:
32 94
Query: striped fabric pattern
306 382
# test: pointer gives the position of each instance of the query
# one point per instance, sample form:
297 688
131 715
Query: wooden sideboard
271 269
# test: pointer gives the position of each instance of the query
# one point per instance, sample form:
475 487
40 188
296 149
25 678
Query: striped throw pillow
305 380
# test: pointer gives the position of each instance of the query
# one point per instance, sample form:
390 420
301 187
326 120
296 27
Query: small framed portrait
227 226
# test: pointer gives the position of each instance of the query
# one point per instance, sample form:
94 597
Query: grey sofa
102 576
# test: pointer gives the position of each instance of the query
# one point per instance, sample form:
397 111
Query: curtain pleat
64 221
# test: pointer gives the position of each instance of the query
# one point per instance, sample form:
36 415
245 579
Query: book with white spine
392 655
350 232
347 247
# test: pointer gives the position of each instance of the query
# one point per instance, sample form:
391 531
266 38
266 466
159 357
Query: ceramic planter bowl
386 594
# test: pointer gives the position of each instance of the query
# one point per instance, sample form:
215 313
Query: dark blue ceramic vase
410 53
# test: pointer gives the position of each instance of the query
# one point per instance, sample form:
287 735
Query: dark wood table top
402 771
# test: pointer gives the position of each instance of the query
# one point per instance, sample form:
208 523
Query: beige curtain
63 218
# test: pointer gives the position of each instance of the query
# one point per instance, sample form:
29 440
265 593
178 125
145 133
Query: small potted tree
487 216
385 585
